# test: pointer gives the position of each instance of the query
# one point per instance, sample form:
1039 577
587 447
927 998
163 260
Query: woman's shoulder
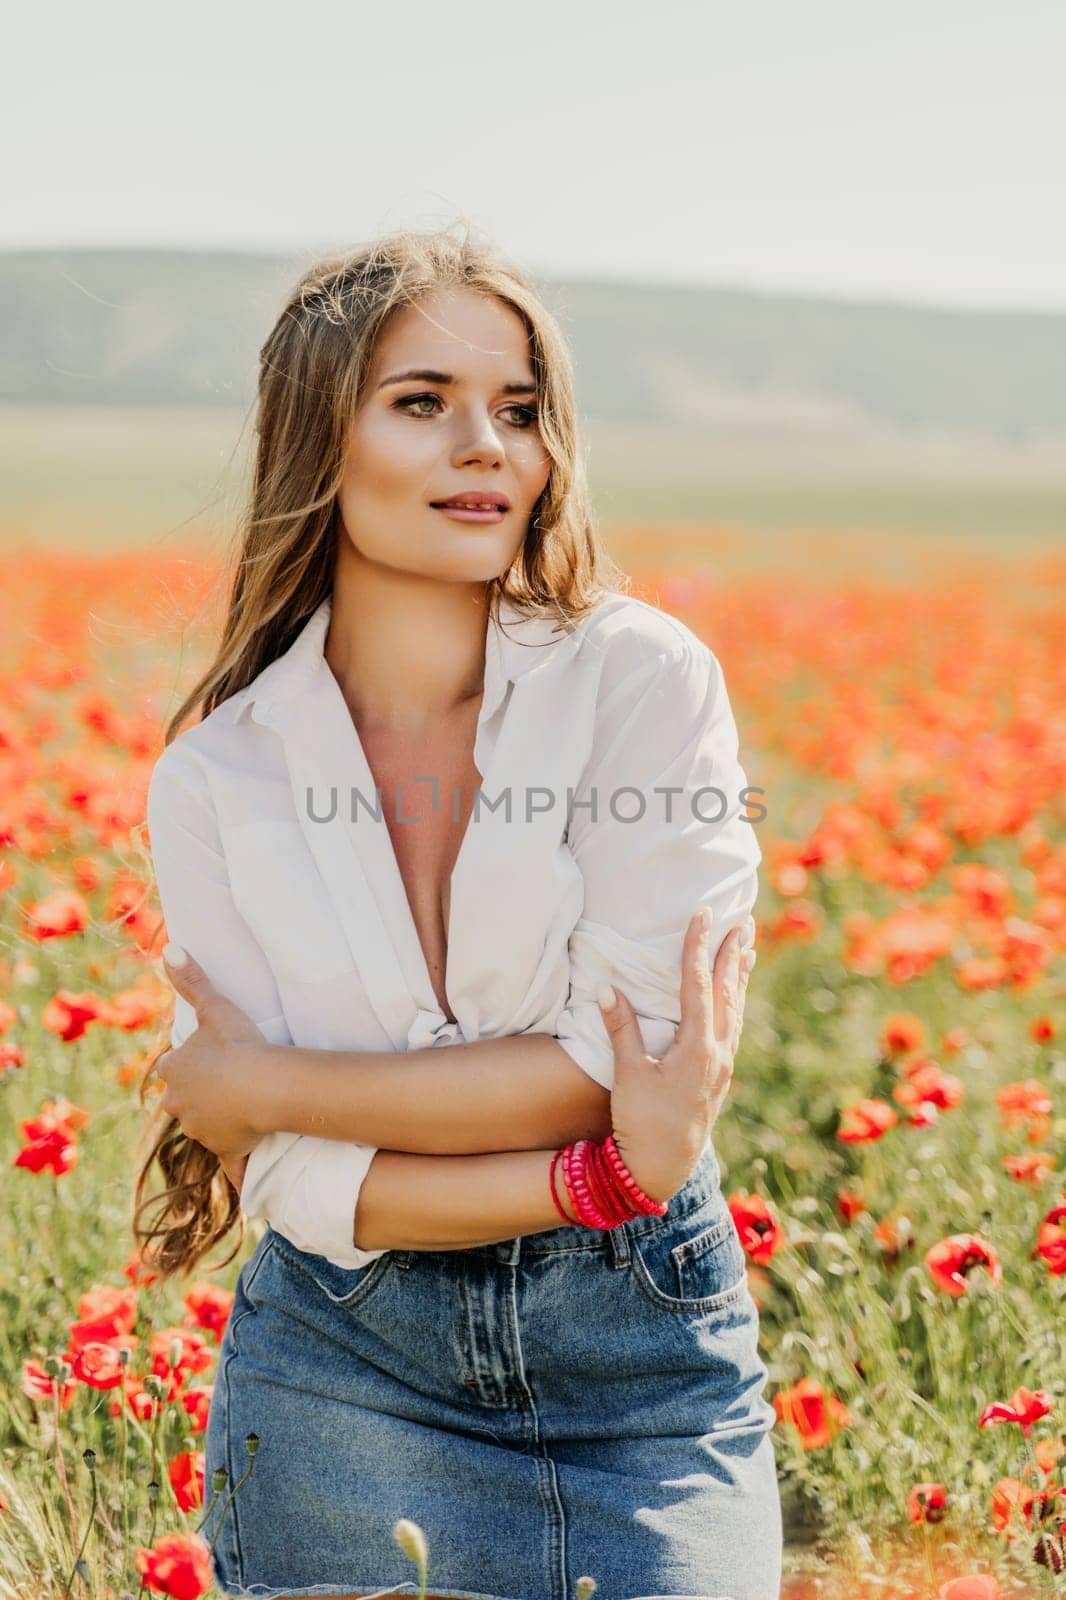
218 740
629 636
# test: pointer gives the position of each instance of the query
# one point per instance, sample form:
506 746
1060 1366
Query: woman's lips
464 514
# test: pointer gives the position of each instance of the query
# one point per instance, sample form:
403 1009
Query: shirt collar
514 647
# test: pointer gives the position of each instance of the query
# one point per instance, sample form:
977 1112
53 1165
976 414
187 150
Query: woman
441 1323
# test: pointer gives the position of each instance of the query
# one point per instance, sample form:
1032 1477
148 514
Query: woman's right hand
663 1110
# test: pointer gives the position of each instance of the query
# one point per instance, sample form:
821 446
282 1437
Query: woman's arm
453 1202
305 1188
308 1187
659 829
411 1202
522 1092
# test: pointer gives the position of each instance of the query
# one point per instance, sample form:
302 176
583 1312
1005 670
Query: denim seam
232 1510
699 1245
364 1290
713 1302
547 1476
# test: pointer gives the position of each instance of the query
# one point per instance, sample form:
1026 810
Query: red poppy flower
1032 1166
1010 1499
59 914
1047 1453
978 1586
926 1083
139 1272
194 1354
760 1231
901 1033
927 1502
868 1120
1020 1102
210 1306
197 1402
11 1057
849 1204
55 1116
815 1414
37 1383
952 1260
104 1314
98 1365
53 1152
186 1474
1025 1407
1051 1240
178 1564
69 1015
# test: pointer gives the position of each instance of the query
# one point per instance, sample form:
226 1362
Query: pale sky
903 149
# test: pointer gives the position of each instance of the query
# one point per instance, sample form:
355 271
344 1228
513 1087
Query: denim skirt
564 1404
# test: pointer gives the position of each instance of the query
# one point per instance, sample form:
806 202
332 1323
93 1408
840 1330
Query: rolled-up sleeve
306 1188
668 835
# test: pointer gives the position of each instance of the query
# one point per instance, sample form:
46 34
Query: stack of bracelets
602 1190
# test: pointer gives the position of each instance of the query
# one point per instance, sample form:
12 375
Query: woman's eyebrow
427 376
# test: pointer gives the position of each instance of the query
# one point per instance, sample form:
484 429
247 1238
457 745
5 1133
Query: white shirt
305 923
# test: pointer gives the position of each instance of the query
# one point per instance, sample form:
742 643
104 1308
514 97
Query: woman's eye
412 400
527 415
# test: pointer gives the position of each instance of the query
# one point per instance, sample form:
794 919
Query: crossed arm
465 1134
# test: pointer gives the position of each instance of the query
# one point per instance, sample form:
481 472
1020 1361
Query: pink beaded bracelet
655 1208
574 1168
601 1188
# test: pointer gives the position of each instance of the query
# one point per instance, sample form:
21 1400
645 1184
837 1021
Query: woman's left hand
211 1079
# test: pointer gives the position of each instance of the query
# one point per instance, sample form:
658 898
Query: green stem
84 1542
61 1464
206 1518
229 1498
151 1531
124 1432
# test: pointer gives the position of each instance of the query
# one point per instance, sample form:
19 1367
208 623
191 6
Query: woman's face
470 427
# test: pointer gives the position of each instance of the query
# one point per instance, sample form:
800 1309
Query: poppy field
892 1147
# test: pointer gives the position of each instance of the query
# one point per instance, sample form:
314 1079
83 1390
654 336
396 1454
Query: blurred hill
180 328
127 384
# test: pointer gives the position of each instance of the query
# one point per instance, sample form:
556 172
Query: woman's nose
479 441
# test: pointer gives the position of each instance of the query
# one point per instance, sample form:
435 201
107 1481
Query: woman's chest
428 790
352 905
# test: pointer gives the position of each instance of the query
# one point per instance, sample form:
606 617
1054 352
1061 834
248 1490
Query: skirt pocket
693 1264
349 1287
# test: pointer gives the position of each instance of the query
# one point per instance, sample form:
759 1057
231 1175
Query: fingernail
707 919
605 997
174 955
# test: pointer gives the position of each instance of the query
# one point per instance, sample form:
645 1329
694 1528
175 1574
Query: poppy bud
412 1541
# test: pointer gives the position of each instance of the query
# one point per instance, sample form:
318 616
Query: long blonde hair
312 371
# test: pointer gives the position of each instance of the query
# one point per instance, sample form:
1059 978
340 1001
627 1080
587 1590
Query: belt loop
619 1244
509 1250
